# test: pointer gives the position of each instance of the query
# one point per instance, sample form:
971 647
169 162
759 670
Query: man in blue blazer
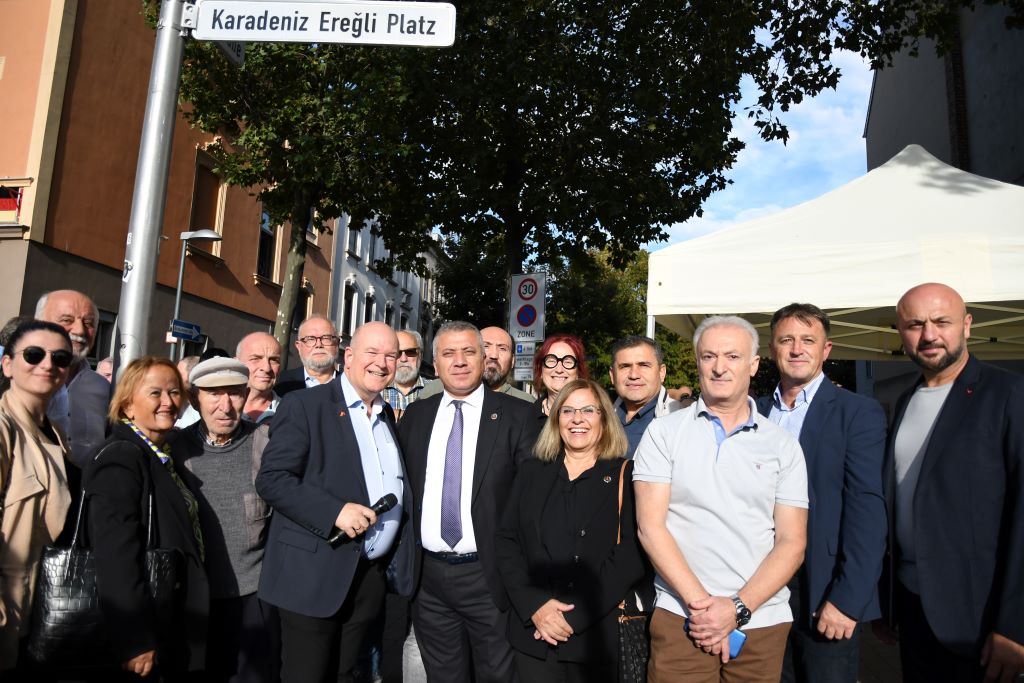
333 453
955 485
842 435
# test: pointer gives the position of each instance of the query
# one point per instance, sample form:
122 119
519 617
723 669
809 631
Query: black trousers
322 650
923 658
460 631
244 641
811 657
550 670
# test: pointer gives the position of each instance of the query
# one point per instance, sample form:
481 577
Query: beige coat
35 509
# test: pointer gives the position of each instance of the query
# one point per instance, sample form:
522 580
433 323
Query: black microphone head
384 504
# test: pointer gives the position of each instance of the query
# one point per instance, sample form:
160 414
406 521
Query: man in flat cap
221 454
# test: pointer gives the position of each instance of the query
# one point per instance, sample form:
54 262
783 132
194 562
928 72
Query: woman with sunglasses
131 483
561 359
561 559
35 493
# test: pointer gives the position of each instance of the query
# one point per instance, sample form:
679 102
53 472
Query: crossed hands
551 626
712 619
355 519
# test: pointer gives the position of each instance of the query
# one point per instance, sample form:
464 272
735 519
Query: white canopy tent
854 251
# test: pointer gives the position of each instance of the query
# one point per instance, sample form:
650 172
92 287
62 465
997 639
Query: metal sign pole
150 194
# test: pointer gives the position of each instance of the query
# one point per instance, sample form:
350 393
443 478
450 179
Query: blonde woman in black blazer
562 564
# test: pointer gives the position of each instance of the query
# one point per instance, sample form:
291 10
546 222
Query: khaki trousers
674 657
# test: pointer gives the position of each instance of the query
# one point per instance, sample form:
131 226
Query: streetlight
204 235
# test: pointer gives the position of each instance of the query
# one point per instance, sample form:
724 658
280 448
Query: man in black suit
317 346
462 449
842 435
955 482
333 452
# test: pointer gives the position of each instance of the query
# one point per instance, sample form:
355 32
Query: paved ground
879 663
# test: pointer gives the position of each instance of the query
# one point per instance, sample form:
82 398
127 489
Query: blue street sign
182 329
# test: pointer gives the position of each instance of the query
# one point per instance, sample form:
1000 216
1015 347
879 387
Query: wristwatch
742 612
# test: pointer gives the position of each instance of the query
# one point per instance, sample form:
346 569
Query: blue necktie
451 489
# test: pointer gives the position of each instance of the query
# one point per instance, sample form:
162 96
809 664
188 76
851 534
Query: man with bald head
954 486
262 355
80 407
333 454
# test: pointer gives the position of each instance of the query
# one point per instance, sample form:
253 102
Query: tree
551 127
297 123
558 127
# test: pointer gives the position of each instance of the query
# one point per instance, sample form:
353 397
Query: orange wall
94 171
22 38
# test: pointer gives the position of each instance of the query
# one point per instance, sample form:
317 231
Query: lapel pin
341 413
970 391
607 479
494 416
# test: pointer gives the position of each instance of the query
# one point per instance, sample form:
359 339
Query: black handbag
634 646
68 629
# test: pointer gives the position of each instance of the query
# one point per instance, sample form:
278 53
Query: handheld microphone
379 508
384 504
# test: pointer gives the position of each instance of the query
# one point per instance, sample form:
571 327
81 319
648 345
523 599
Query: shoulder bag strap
622 474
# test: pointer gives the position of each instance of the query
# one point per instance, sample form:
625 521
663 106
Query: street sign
233 50
526 314
524 362
423 24
183 329
521 375
525 349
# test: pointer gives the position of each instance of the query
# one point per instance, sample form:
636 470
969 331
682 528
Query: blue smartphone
736 640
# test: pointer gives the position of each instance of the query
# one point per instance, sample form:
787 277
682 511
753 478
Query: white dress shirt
430 522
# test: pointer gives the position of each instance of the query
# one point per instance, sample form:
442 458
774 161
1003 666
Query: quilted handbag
634 647
68 629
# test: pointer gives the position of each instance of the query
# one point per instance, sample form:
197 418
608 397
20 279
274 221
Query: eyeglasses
325 340
551 360
587 411
409 353
34 355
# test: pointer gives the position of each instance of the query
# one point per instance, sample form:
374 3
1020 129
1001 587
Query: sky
825 150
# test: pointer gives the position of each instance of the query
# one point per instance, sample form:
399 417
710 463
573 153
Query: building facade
964 107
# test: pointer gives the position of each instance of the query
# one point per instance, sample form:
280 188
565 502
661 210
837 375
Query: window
266 257
403 321
368 307
389 314
301 310
312 227
348 312
372 255
207 204
105 338
353 241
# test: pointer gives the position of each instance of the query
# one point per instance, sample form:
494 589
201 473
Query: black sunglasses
34 355
408 353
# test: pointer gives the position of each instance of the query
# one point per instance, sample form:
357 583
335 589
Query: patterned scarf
191 504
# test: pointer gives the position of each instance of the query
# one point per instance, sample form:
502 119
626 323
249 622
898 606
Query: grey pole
177 292
147 216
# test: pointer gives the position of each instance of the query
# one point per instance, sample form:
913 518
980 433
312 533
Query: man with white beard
408 384
80 407
317 345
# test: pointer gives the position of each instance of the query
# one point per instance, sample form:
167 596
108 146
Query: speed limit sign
526 310
527 288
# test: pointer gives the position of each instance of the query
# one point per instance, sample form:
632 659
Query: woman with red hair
560 359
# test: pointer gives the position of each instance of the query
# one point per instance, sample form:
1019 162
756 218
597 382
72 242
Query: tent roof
854 251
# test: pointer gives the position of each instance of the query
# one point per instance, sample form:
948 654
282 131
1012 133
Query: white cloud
825 150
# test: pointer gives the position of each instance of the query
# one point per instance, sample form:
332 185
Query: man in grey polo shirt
721 495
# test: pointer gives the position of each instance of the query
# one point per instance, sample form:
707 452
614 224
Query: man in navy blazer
842 435
955 485
333 453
